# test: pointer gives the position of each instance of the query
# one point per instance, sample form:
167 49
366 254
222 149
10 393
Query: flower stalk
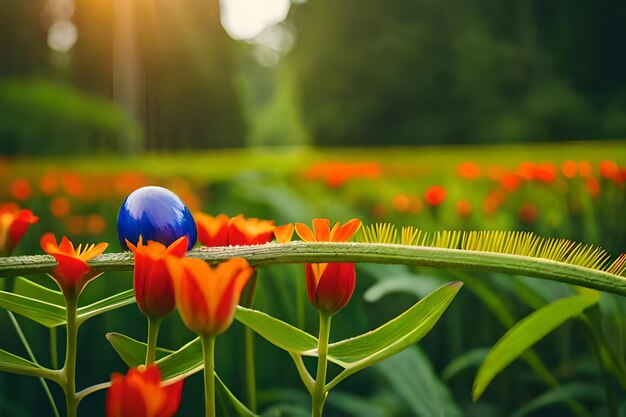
69 368
319 388
208 356
154 324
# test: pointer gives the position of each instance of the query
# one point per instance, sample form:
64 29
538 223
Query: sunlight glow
245 19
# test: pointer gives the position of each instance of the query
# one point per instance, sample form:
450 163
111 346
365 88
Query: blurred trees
186 90
373 72
363 72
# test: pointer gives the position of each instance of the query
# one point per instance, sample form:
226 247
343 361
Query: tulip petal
345 232
305 233
284 233
335 287
322 229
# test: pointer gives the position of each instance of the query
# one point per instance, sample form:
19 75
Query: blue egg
156 214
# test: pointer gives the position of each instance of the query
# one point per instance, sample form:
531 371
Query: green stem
54 356
307 252
319 392
153 333
208 356
69 368
250 371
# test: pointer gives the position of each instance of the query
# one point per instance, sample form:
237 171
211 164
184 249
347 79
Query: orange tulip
329 285
141 394
72 272
322 232
13 224
207 297
154 291
435 195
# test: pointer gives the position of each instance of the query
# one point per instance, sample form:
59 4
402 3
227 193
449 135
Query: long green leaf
132 352
18 365
31 289
526 333
113 302
277 332
396 335
47 314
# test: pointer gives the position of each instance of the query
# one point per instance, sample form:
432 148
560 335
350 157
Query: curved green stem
303 252
208 355
69 369
319 391
153 333
306 377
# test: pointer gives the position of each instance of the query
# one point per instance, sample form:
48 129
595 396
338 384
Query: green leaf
526 333
110 303
132 352
579 390
412 378
392 337
31 289
277 332
471 358
18 365
47 314
173 364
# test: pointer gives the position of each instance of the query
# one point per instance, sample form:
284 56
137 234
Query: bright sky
245 19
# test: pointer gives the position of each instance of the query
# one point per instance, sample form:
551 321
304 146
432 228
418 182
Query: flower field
575 191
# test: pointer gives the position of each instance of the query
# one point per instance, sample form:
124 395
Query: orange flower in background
469 170
330 285
239 230
20 189
609 169
72 272
60 207
13 224
528 212
152 283
569 169
140 394
207 297
585 169
212 231
463 208
435 195
593 187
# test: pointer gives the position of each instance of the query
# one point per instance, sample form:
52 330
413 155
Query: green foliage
526 333
39 117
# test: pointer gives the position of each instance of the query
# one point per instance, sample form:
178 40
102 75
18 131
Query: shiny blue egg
156 214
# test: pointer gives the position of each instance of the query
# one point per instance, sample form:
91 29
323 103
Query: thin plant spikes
525 244
518 253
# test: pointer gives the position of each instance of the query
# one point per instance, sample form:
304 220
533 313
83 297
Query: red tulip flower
207 297
72 272
153 286
329 285
140 394
13 224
